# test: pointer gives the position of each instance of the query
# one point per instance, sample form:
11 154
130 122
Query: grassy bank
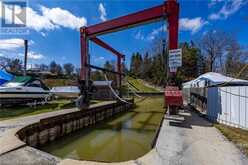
24 110
59 82
139 86
236 135
21 111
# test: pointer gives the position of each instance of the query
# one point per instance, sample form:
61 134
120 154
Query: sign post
175 59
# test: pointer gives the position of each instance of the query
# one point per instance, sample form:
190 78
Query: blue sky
53 27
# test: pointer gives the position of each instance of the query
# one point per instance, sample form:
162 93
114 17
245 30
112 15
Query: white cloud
38 22
229 8
155 32
33 55
98 58
10 44
43 34
214 2
102 11
193 25
185 24
151 36
13 43
51 19
64 18
139 36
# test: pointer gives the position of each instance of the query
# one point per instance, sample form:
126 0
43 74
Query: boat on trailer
23 90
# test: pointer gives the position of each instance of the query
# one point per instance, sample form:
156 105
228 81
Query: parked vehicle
70 92
23 90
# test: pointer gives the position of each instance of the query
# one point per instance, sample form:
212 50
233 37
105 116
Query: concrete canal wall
52 128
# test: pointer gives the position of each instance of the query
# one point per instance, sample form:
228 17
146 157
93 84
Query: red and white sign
173 69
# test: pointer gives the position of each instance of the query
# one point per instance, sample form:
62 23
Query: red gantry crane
168 11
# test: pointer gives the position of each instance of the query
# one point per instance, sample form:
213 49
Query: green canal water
125 137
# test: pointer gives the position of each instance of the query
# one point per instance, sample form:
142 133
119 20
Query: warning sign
175 58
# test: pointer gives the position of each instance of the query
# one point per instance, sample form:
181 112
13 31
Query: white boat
22 90
73 92
69 92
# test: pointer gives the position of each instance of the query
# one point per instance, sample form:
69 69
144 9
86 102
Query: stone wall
52 128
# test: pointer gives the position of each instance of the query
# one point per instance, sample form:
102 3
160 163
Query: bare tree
69 69
213 46
236 59
15 65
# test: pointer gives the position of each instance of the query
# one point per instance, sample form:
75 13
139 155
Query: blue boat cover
5 77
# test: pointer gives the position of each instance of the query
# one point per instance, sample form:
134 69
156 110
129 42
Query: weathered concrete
49 129
191 140
28 156
39 129
23 121
183 139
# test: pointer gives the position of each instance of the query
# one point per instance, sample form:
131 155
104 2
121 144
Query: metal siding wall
228 105
223 114
242 107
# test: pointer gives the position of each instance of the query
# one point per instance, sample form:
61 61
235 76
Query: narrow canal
125 137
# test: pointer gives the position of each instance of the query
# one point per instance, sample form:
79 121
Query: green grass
59 82
236 135
149 104
21 111
140 86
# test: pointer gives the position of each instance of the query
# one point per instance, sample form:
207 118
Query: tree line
16 66
215 51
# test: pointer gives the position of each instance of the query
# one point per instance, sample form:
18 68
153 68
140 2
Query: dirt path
191 140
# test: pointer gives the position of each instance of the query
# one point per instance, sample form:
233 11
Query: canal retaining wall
52 128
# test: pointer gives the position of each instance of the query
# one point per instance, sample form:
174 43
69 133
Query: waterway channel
122 138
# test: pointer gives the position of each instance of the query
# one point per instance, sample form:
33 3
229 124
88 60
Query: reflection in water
125 137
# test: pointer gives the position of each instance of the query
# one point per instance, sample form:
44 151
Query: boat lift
169 11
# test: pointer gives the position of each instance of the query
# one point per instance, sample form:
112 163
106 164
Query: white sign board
175 58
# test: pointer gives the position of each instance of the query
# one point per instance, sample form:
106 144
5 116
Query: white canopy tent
214 79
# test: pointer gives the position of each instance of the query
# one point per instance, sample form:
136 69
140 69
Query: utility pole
25 56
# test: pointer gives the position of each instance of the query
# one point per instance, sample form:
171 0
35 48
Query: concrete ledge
151 158
78 162
52 128
48 127
10 142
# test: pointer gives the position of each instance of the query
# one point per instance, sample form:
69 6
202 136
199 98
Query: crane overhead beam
131 20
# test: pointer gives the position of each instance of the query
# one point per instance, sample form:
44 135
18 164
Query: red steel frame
169 9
